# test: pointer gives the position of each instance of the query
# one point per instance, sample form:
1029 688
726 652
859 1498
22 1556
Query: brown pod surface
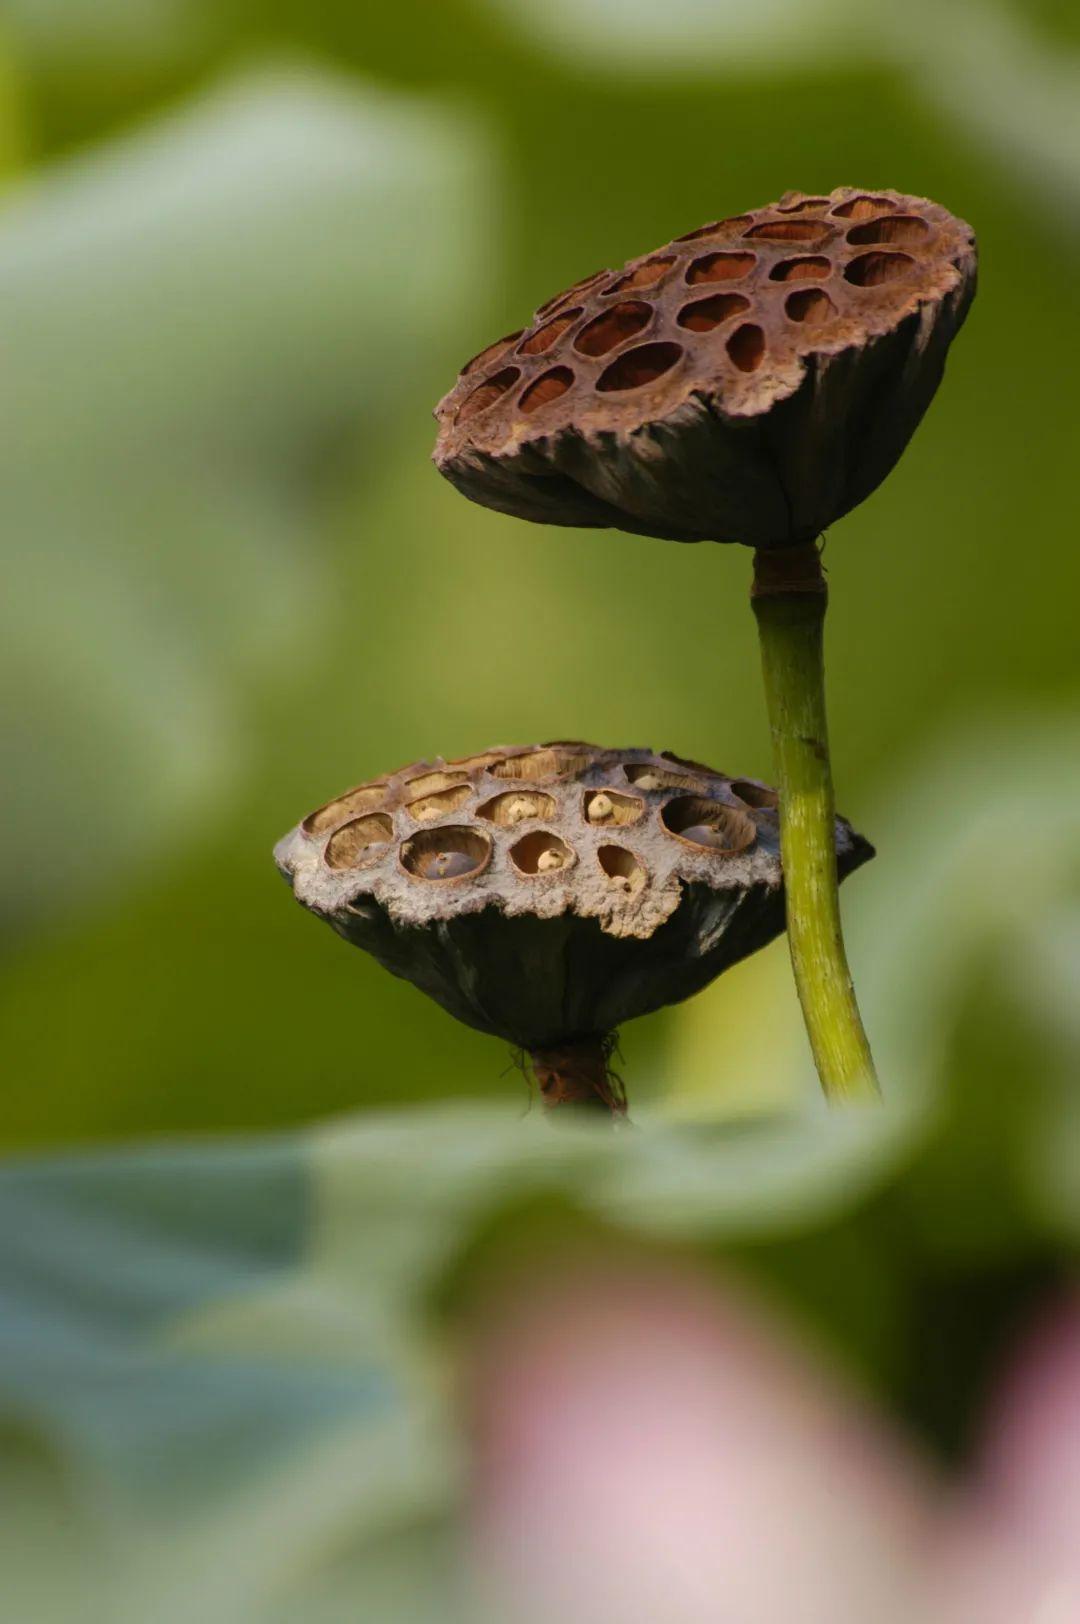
546 894
751 381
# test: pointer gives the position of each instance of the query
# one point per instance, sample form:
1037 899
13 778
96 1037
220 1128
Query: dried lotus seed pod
564 890
751 381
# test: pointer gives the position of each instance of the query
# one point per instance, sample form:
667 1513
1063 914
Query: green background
243 249
157 977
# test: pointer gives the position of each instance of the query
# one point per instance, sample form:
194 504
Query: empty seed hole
544 337
754 794
534 766
640 366
516 806
644 775
809 305
709 824
468 763
492 353
607 808
802 205
901 228
704 314
543 390
614 326
431 783
541 852
799 269
438 806
871 270
645 275
789 230
720 267
862 207
486 394
445 854
622 868
347 847
365 798
746 346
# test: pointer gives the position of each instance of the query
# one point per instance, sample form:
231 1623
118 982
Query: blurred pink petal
1014 1556
649 1454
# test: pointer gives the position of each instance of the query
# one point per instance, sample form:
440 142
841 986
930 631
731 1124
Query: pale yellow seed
518 809
548 860
600 807
648 781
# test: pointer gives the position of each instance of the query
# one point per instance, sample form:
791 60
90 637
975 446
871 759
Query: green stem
789 602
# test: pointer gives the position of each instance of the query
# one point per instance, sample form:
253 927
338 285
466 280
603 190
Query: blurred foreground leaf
219 1390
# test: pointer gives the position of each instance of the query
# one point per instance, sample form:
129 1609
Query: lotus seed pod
751 381
545 895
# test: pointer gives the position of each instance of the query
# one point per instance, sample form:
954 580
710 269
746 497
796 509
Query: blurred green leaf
199 322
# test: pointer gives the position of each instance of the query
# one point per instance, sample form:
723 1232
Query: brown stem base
580 1074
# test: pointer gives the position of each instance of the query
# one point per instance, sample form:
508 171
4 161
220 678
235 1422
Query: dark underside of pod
538 983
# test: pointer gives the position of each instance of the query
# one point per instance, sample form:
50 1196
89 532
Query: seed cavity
440 805
874 269
534 766
754 794
543 390
720 267
789 230
516 806
704 314
809 305
862 207
746 346
803 205
446 854
540 852
709 824
622 869
607 807
544 337
486 394
364 798
465 764
354 840
800 268
645 275
637 367
615 326
901 228
431 783
645 776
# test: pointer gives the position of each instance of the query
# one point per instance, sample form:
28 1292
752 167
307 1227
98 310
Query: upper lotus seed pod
751 381
545 895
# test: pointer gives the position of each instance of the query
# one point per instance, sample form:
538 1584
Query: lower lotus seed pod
546 895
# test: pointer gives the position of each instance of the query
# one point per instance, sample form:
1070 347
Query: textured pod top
751 381
547 894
